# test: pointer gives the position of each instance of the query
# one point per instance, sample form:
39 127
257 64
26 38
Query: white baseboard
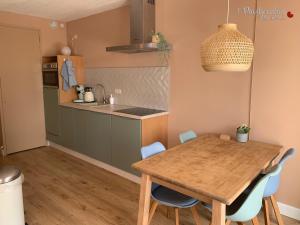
97 163
289 211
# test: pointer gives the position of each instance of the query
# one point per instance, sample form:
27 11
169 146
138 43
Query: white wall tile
143 86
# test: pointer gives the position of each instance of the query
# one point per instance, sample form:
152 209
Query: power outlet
118 91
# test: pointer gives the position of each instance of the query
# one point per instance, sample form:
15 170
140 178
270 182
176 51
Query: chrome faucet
105 99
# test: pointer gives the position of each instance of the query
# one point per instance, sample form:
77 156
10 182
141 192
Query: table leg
144 205
218 213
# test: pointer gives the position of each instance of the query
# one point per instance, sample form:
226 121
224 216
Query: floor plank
60 189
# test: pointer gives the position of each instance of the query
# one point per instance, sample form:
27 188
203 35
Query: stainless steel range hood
142 23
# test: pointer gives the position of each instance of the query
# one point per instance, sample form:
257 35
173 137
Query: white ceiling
63 10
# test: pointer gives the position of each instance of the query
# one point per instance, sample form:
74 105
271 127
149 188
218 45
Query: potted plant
162 45
242 133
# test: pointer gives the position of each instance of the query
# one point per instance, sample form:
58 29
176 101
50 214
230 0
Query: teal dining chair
271 189
187 136
165 196
247 206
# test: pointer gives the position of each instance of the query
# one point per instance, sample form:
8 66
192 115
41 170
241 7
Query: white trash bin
11 196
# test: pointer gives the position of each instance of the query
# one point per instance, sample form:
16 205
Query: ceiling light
227 50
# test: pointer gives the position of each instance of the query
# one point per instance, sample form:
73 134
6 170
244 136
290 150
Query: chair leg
255 221
152 211
195 215
266 211
176 216
276 210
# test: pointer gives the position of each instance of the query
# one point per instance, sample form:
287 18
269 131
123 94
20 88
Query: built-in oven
50 74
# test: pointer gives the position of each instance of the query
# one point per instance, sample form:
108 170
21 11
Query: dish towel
68 75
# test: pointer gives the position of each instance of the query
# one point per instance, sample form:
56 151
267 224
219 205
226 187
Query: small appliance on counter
89 95
80 93
85 95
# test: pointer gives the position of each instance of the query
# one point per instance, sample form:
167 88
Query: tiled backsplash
143 86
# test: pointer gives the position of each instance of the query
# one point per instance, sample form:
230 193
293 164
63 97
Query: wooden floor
62 190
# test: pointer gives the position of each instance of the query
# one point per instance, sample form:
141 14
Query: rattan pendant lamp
227 50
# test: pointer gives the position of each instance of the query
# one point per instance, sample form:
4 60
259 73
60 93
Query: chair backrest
152 149
253 203
273 183
187 136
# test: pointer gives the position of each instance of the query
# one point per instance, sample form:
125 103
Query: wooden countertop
210 166
109 109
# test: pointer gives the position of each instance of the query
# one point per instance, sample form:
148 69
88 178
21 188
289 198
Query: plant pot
155 39
243 138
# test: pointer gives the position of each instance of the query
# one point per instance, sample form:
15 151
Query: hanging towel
68 75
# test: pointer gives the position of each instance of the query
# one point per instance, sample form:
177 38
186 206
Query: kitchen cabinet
79 130
126 142
86 132
111 139
52 114
67 127
98 136
78 66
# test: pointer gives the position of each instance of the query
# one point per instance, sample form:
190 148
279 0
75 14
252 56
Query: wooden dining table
210 169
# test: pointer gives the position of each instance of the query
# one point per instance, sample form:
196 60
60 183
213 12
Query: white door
22 91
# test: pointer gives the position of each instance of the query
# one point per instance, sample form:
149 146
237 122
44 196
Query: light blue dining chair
187 136
247 206
165 196
271 189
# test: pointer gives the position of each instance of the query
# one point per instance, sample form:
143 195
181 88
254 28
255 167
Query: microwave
50 74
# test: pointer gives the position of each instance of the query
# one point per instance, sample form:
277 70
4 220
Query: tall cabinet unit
52 113
22 108
53 96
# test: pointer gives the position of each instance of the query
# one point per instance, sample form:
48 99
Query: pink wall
275 111
51 40
213 102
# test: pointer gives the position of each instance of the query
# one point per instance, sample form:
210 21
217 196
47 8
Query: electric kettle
89 95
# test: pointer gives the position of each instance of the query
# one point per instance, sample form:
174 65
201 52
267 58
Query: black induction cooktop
137 111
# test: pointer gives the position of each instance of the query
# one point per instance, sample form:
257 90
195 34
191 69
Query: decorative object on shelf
162 45
155 38
227 50
242 133
66 51
159 39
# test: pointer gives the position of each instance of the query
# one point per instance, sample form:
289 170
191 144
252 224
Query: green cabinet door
52 115
67 127
79 132
126 142
98 136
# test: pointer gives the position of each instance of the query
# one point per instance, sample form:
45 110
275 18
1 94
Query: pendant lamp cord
228 10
